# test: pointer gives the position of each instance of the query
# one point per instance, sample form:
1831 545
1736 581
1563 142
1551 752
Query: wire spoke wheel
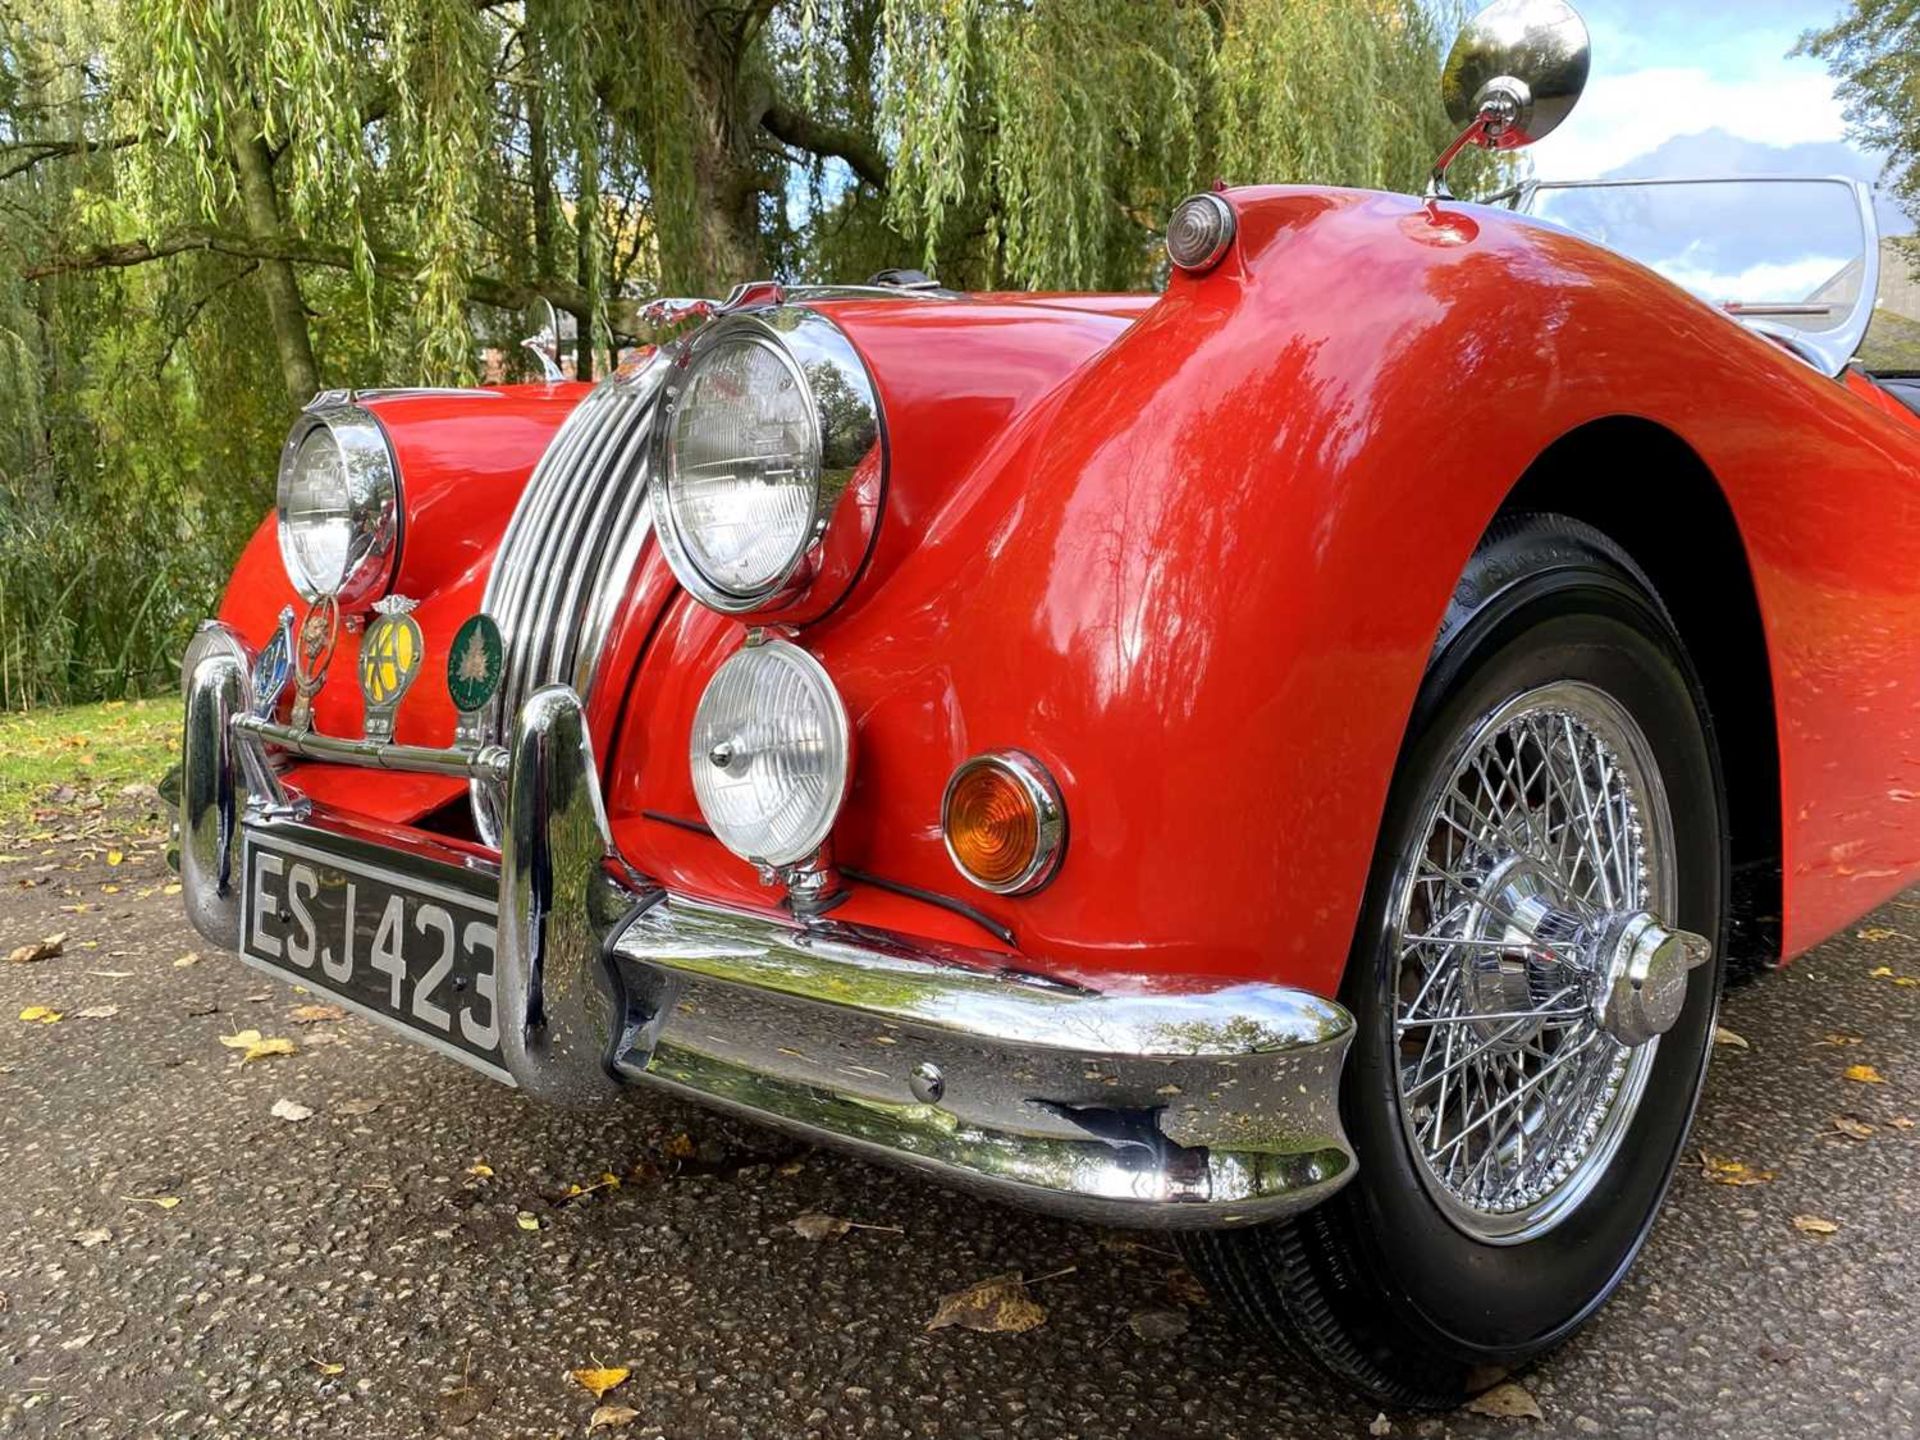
1549 825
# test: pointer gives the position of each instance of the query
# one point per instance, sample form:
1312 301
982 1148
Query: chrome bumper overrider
1148 1103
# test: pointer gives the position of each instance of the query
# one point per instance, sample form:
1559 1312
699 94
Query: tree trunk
260 213
722 245
539 164
585 210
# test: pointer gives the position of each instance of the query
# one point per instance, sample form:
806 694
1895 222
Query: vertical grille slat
571 604
572 537
569 552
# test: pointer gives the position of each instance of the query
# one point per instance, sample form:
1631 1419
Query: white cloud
1624 116
1775 280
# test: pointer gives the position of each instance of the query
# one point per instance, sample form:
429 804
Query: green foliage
210 207
1874 51
1047 142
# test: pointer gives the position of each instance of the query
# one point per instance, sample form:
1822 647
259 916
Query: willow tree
1047 143
464 150
211 208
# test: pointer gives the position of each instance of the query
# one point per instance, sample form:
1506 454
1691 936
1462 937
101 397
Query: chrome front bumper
1153 1102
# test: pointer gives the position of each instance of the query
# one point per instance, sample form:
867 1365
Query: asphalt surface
351 1274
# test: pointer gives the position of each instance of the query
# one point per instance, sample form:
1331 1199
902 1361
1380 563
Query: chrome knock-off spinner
1631 968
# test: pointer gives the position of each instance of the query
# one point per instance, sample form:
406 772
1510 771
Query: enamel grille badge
474 664
313 653
274 668
390 655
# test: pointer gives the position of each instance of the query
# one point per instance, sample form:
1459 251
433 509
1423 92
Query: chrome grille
569 552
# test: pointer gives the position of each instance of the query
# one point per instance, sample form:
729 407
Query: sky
1691 87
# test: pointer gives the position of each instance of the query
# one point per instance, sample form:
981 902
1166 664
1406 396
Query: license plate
403 940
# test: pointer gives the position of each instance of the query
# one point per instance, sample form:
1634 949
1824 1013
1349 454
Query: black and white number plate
402 939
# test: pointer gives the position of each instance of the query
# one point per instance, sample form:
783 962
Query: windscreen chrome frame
1827 351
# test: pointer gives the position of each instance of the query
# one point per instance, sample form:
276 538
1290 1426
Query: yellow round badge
390 656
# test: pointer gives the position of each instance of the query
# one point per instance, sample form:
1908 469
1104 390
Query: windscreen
1791 252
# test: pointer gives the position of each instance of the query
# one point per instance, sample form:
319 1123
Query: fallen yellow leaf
1865 1075
600 1379
1880 972
1507 1402
527 1220
612 1417
40 1015
326 1367
315 1014
36 950
163 1202
1849 1125
1731 1172
1814 1225
192 957
1901 1122
485 1172
256 1046
170 889
1724 1036
815 1226
114 857
998 1305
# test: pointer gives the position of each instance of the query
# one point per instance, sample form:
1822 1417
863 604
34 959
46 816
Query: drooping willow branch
388 264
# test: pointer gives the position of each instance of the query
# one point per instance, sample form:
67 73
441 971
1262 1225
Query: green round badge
475 664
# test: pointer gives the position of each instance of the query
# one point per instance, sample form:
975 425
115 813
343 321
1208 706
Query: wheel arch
1646 489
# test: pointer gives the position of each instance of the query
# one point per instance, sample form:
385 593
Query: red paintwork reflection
1193 552
1201 578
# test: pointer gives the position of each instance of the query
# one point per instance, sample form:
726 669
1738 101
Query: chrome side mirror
542 327
1511 77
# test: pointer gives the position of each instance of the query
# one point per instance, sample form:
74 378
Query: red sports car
1289 759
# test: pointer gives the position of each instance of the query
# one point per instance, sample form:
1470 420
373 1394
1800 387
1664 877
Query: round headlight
339 505
765 417
771 753
743 459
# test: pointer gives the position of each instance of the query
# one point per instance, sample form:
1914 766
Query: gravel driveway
406 1258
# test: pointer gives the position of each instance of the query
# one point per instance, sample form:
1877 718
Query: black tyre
1558 788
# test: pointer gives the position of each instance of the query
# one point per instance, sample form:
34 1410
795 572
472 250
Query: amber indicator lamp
1004 822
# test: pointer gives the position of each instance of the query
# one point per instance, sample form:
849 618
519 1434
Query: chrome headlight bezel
372 503
847 423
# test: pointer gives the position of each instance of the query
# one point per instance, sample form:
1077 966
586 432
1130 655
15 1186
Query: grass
1892 343
56 758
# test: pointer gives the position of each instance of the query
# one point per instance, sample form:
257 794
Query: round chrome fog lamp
339 506
771 753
